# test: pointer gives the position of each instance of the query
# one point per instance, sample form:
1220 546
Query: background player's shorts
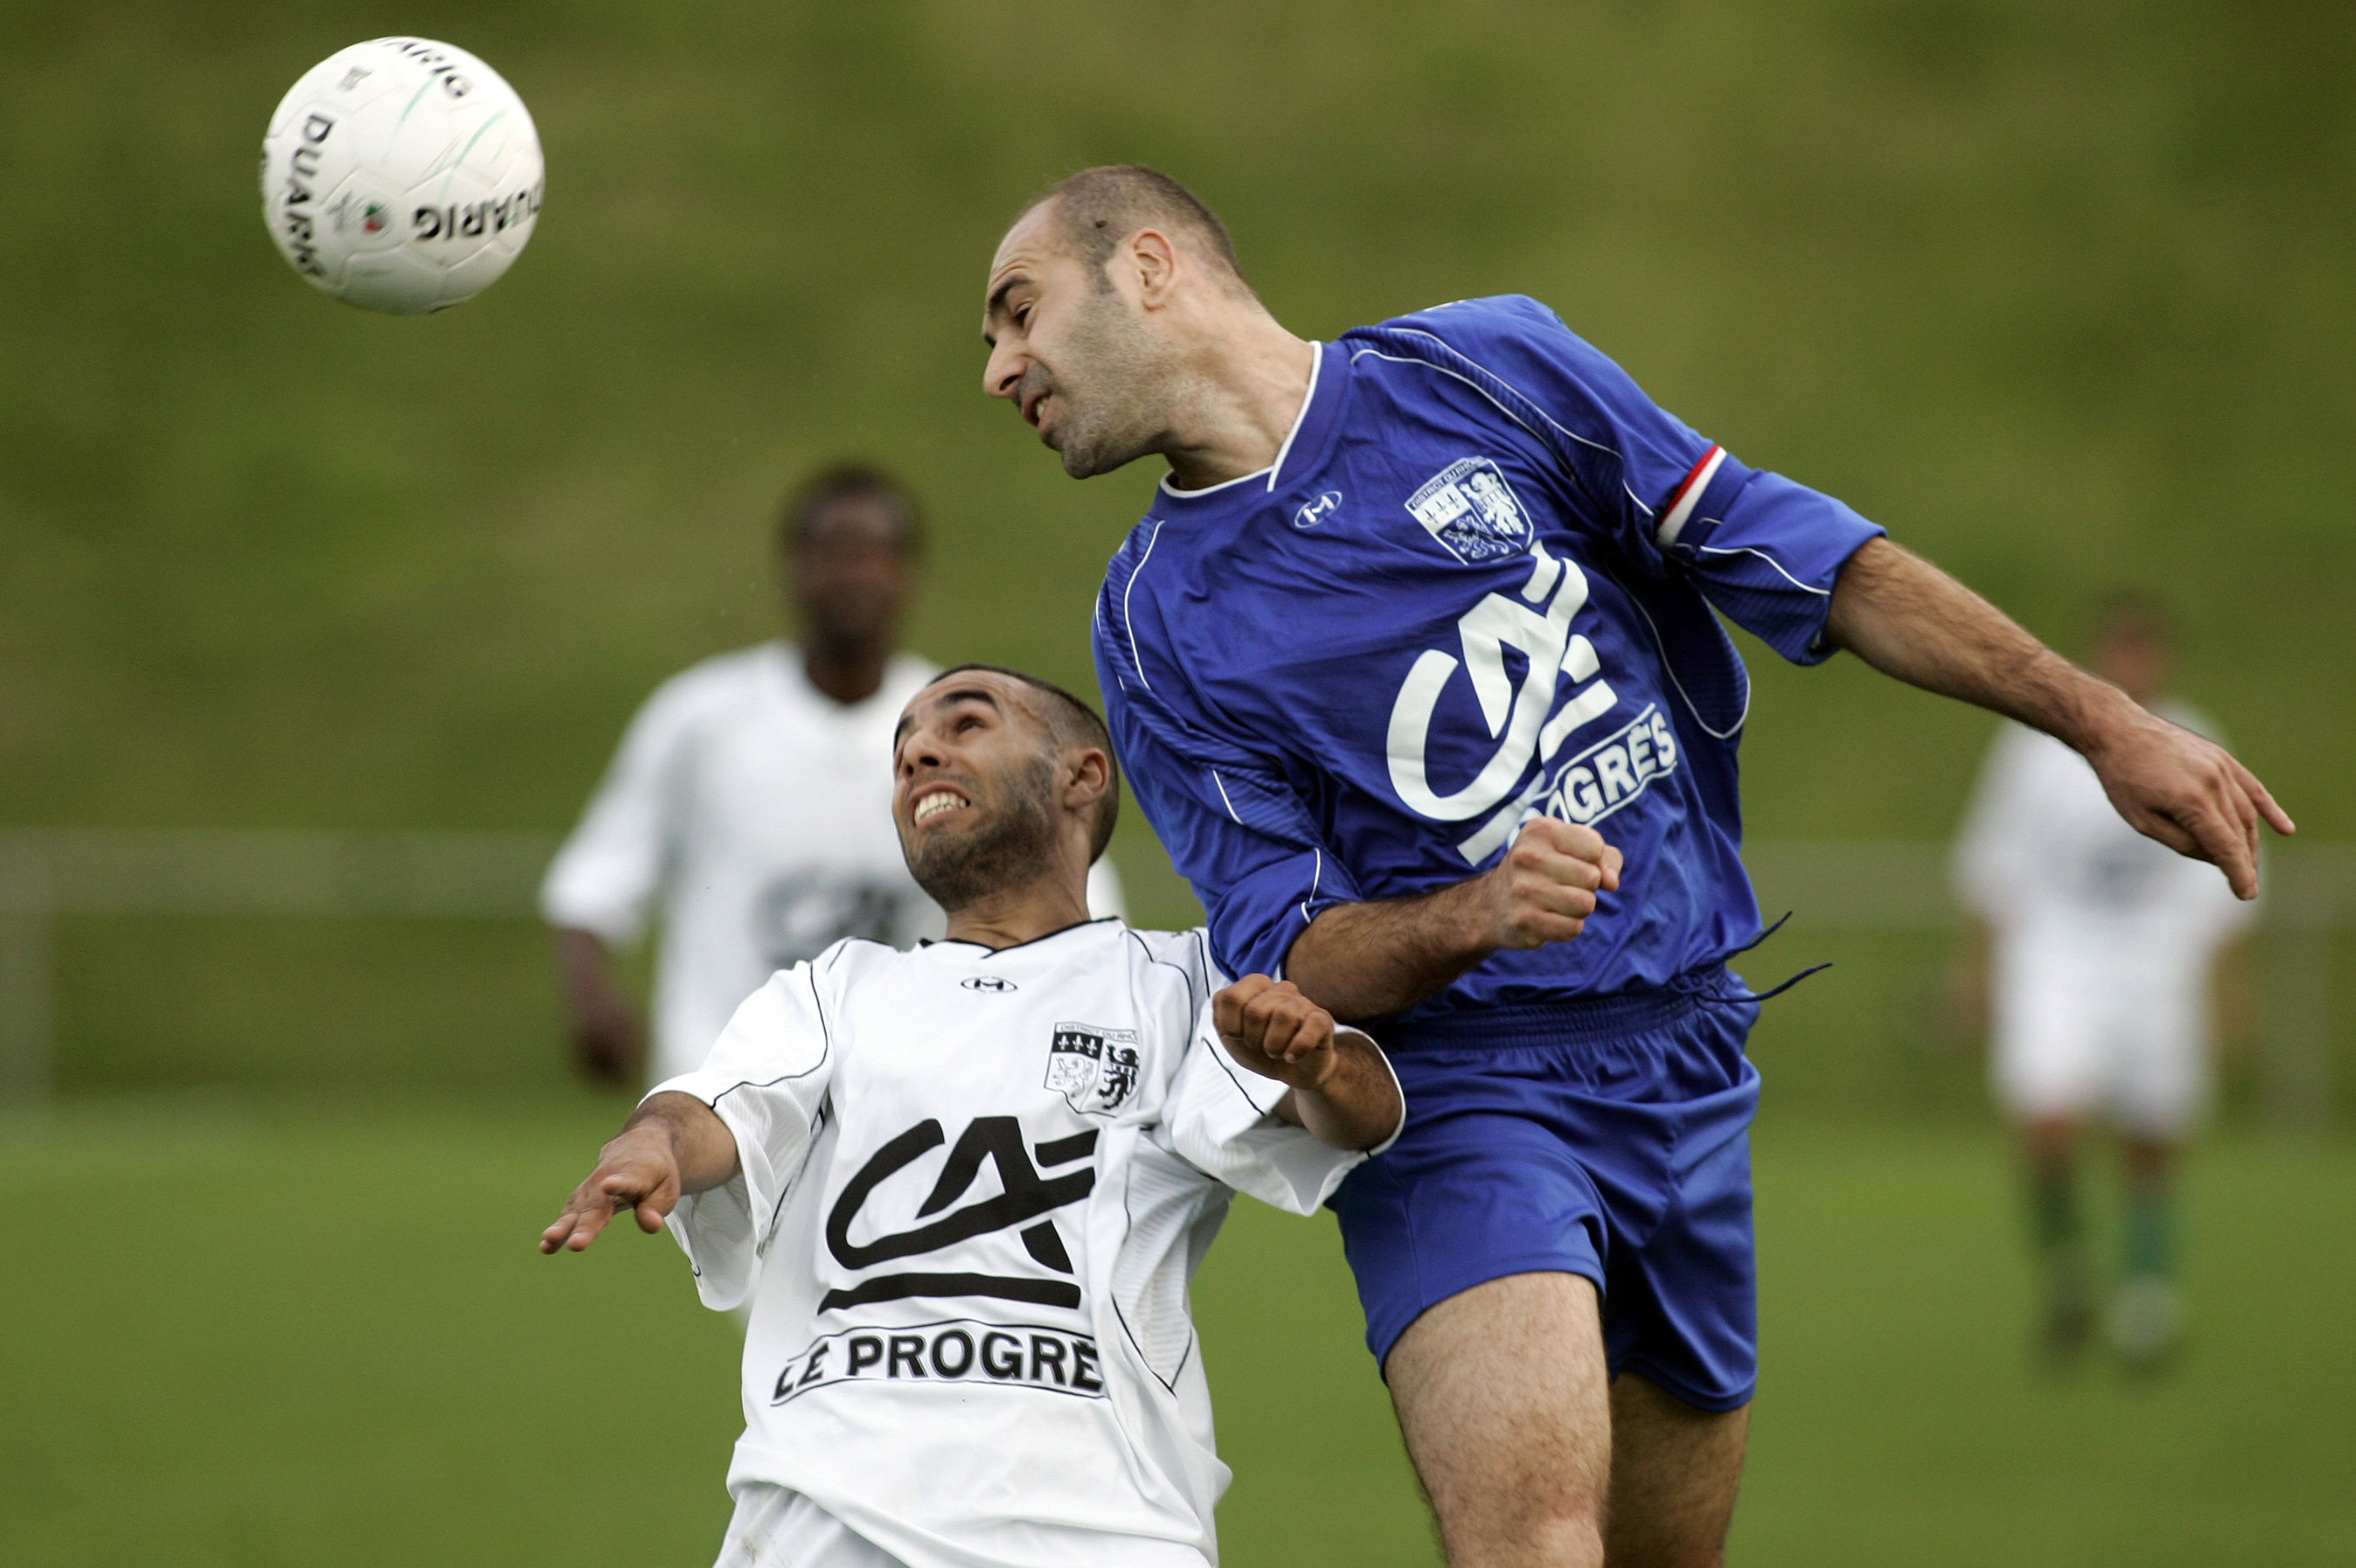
774 1528
1608 1138
2079 1031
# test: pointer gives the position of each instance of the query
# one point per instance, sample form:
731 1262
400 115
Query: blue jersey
1476 587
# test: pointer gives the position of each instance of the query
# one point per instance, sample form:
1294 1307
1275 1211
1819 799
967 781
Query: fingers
586 1214
1548 883
2275 816
1263 1022
615 1185
1229 1006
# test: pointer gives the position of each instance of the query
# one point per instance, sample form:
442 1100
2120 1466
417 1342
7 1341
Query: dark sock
2151 1234
2053 1210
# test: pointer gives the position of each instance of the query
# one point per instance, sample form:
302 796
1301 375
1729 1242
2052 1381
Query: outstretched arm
1367 960
1907 618
1341 1089
672 1145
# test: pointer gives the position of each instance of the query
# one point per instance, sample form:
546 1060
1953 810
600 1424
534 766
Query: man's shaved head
1098 209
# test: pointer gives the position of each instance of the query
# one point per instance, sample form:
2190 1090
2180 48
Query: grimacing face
974 788
1069 350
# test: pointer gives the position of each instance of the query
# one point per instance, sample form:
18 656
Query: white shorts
774 1528
2075 1037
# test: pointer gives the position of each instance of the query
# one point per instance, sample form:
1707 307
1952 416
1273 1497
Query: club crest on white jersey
1093 1067
1468 508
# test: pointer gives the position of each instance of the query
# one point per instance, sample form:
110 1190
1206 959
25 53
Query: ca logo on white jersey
1521 716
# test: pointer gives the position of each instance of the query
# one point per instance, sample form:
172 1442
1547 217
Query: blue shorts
1607 1137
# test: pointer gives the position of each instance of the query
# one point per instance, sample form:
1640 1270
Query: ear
1153 261
1088 773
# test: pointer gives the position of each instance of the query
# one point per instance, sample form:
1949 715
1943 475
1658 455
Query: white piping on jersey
1688 496
1670 670
1415 332
1222 796
1753 549
1668 667
1316 876
1316 363
1127 624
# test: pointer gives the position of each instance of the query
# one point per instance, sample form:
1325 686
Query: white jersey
758 810
975 1186
2046 859
2103 941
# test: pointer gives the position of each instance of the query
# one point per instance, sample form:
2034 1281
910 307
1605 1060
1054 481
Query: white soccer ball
401 175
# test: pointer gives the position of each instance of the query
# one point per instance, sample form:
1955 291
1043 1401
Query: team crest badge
1468 508
1092 1067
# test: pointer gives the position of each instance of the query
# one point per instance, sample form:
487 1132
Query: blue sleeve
1762 550
1234 828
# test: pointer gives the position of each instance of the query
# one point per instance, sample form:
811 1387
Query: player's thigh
1675 1474
1503 1397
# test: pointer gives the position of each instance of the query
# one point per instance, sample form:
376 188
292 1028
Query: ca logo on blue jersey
1523 717
1468 508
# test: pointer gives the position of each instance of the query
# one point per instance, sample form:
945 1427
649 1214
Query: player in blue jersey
1414 666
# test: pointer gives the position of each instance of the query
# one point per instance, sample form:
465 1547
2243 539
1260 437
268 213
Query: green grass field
257 1332
2057 289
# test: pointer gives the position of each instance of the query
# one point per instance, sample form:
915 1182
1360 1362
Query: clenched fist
1270 1028
1545 886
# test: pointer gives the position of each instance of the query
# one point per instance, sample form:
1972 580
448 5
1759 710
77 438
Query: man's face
1070 349
974 791
2131 652
853 572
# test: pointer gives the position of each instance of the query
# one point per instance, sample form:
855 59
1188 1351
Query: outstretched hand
636 1171
2189 794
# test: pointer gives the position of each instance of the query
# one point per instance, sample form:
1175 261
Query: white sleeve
1219 1120
766 1079
605 877
1986 865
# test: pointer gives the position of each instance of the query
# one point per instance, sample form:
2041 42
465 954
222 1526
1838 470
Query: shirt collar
1302 442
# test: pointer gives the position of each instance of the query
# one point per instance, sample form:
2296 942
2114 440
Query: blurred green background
2059 292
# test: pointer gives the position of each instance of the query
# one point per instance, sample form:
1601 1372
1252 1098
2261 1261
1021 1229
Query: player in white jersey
2102 943
751 797
965 1186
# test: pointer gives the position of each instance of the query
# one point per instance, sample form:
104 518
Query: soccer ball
401 175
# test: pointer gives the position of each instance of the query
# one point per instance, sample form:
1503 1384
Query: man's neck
847 673
1243 399
1013 916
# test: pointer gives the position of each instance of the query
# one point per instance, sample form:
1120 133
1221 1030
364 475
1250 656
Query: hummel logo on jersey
1468 508
1025 1196
987 983
1317 511
1092 1067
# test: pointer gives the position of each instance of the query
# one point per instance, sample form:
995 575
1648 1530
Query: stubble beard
1109 424
960 870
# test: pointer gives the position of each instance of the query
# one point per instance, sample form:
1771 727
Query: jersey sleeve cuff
720 1229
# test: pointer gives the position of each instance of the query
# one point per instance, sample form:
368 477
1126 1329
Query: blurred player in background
1417 619
752 797
1001 1373
2102 947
